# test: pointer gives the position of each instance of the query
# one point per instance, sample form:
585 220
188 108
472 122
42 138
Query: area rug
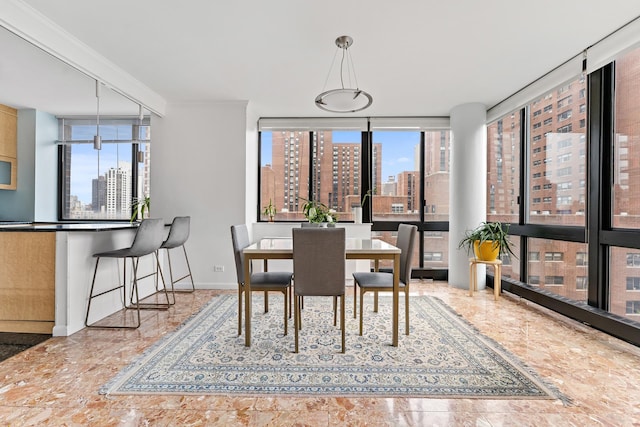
444 356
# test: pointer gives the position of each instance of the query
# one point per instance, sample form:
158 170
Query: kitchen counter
66 226
47 269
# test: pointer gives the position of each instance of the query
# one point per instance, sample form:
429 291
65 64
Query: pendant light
97 139
344 100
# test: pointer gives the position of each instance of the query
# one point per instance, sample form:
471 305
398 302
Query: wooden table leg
247 301
396 297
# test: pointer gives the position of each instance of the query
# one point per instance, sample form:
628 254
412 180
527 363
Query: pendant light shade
344 100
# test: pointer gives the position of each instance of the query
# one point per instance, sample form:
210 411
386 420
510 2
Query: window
581 258
581 283
103 184
534 256
534 280
633 283
553 280
553 256
433 256
633 259
633 307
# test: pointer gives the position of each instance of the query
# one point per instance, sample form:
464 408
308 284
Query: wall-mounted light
97 139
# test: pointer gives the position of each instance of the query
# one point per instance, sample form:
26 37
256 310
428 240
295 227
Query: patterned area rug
444 356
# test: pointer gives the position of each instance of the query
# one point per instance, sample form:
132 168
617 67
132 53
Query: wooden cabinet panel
27 288
8 131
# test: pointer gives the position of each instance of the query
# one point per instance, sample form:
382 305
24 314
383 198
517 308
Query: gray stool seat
178 236
147 241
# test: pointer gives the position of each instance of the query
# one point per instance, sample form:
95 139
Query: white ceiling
416 57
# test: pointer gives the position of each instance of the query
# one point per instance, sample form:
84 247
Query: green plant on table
318 212
139 207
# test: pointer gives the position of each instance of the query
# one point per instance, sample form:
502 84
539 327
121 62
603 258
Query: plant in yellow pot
489 241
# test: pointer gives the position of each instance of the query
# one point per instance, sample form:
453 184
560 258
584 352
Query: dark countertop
60 226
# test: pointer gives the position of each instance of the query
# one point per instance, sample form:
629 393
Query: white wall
199 168
46 169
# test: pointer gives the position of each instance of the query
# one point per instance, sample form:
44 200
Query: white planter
357 214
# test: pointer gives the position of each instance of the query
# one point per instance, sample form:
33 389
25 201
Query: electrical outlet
218 268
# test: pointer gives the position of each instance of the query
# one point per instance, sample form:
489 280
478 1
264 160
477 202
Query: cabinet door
8 132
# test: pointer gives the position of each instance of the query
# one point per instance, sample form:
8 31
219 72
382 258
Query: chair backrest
406 242
319 261
148 238
178 233
240 240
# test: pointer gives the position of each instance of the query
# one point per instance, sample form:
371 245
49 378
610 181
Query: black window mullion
366 174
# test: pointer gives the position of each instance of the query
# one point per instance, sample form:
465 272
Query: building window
581 283
633 259
633 307
553 256
553 280
581 258
433 256
103 184
534 280
633 283
534 256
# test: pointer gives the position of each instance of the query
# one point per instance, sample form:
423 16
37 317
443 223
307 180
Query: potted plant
139 207
270 211
489 241
318 212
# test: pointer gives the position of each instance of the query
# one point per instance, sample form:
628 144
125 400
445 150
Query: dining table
355 248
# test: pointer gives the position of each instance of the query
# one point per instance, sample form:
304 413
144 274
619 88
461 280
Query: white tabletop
353 246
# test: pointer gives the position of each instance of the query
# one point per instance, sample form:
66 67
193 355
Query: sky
88 163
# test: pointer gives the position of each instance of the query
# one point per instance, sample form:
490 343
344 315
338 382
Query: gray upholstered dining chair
266 281
382 281
318 269
178 235
147 241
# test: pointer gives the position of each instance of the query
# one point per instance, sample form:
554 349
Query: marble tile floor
56 383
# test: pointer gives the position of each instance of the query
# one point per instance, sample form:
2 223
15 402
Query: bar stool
147 241
178 235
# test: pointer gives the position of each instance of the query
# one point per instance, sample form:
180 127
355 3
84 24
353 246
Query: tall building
118 191
99 194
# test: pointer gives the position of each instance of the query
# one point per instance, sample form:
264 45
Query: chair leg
355 299
266 301
342 321
239 309
296 320
124 297
286 316
361 307
375 302
164 283
190 276
335 311
406 309
93 282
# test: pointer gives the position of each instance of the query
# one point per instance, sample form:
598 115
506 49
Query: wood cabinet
8 148
27 282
